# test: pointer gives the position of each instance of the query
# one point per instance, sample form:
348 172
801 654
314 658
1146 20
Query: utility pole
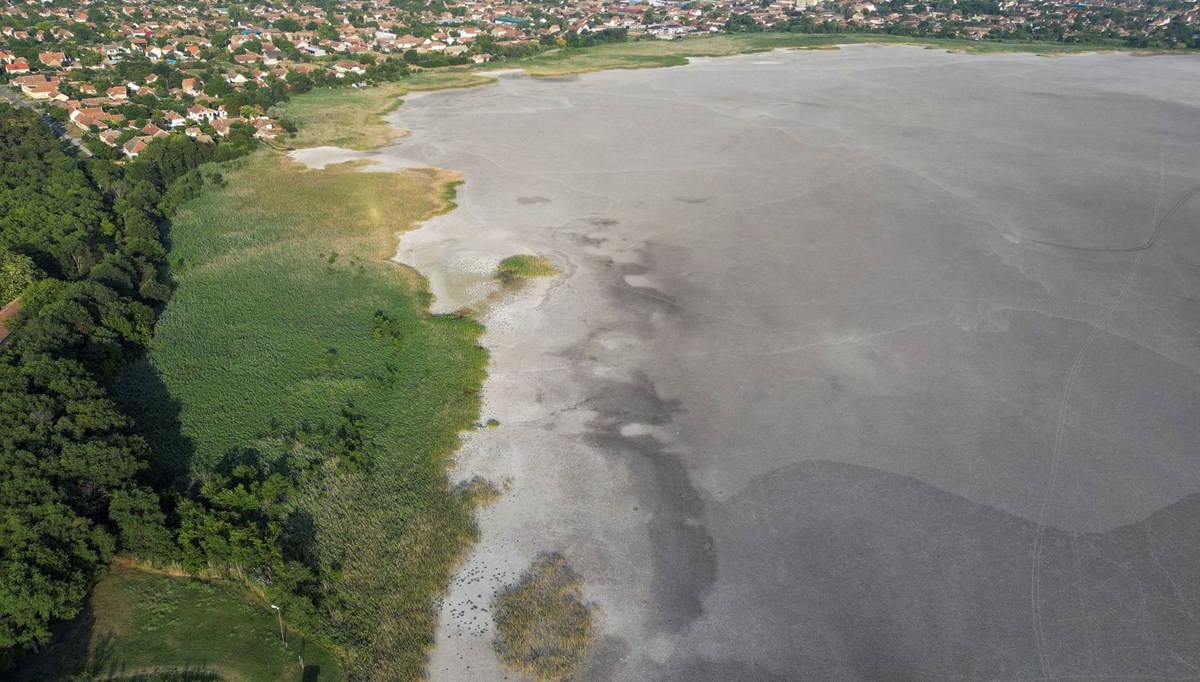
279 613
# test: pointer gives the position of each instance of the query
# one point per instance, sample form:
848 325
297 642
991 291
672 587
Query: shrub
17 273
543 626
524 267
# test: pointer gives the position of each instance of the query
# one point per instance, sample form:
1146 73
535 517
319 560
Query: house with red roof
134 147
54 60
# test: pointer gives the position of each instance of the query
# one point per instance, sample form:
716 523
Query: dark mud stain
684 561
589 240
602 222
532 200
604 660
845 572
693 200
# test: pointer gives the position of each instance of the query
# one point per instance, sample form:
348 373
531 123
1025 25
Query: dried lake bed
879 363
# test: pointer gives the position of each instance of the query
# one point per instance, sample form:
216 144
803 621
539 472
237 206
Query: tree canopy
81 245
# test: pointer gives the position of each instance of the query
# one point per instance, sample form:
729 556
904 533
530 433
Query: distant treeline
1178 35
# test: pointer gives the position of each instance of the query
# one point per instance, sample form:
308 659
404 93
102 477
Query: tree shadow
300 539
65 656
144 396
104 659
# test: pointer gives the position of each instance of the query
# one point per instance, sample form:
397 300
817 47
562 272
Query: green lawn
271 328
138 622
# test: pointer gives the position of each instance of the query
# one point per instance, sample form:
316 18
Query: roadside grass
280 275
524 266
543 625
158 628
354 118
642 54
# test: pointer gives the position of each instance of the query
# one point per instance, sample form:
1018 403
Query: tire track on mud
1150 241
1063 411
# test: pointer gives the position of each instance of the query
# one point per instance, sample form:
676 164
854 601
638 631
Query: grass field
280 275
644 54
138 622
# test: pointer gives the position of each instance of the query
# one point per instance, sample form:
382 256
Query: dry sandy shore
320 157
857 368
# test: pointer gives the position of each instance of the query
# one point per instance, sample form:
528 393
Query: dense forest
82 246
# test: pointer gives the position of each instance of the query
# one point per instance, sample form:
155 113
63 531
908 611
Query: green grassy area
524 266
543 625
280 275
643 54
159 627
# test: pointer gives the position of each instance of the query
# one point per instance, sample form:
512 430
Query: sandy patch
319 157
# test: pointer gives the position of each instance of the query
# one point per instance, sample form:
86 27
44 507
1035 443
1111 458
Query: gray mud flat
877 364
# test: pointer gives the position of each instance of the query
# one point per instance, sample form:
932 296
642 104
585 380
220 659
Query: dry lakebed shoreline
877 363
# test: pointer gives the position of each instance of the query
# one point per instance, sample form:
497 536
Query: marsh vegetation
543 624
523 267
286 317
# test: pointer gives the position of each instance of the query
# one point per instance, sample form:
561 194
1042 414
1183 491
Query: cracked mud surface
856 368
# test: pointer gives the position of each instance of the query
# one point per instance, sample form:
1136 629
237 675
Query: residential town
119 75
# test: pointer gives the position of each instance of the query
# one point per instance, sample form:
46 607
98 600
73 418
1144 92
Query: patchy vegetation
479 490
521 267
543 625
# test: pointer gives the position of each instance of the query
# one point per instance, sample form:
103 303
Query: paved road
58 130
